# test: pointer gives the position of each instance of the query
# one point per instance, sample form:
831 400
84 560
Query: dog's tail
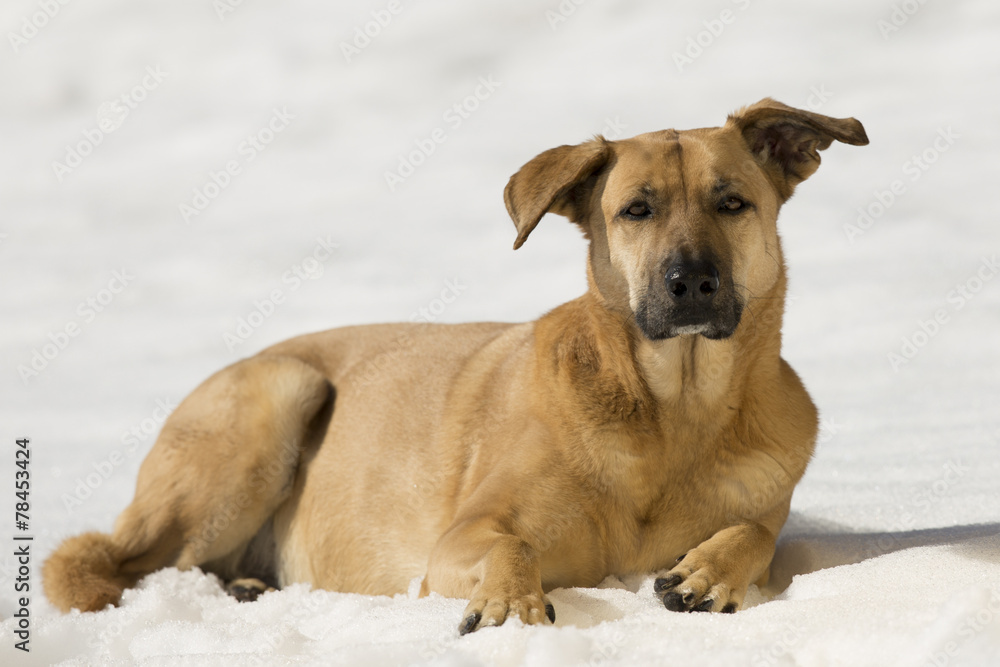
225 460
84 573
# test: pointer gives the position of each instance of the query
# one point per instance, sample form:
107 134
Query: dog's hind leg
247 589
225 460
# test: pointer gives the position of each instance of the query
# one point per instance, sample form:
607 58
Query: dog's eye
637 211
732 205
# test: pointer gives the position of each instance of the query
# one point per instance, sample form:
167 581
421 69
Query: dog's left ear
553 181
787 141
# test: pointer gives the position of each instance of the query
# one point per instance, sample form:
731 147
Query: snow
892 552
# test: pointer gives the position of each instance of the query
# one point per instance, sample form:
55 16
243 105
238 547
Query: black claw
469 624
244 593
673 602
664 584
550 611
688 599
729 609
680 558
705 605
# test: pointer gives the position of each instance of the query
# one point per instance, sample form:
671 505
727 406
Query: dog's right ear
553 181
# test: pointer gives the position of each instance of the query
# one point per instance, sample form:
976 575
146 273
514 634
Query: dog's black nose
694 282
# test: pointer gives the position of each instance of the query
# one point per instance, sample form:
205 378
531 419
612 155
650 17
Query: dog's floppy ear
552 182
786 141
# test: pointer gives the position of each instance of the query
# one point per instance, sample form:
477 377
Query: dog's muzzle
692 299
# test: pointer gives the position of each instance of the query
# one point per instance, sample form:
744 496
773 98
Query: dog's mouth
657 319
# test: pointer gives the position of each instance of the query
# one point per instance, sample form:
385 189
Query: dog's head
682 225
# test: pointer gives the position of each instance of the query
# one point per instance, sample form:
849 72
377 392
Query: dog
649 426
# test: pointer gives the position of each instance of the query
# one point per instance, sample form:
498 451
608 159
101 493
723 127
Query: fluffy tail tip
83 573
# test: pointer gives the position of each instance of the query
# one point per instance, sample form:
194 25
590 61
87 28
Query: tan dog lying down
649 425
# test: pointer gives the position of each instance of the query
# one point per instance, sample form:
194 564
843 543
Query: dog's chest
708 493
727 468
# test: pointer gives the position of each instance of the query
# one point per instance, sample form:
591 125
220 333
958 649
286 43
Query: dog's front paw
485 611
695 584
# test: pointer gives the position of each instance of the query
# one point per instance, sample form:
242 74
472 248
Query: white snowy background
892 553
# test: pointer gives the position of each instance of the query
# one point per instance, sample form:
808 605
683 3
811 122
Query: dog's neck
595 345
693 371
609 384
687 369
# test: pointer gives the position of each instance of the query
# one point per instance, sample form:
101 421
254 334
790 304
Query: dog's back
231 455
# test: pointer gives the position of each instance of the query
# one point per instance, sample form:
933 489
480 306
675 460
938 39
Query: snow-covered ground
117 300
